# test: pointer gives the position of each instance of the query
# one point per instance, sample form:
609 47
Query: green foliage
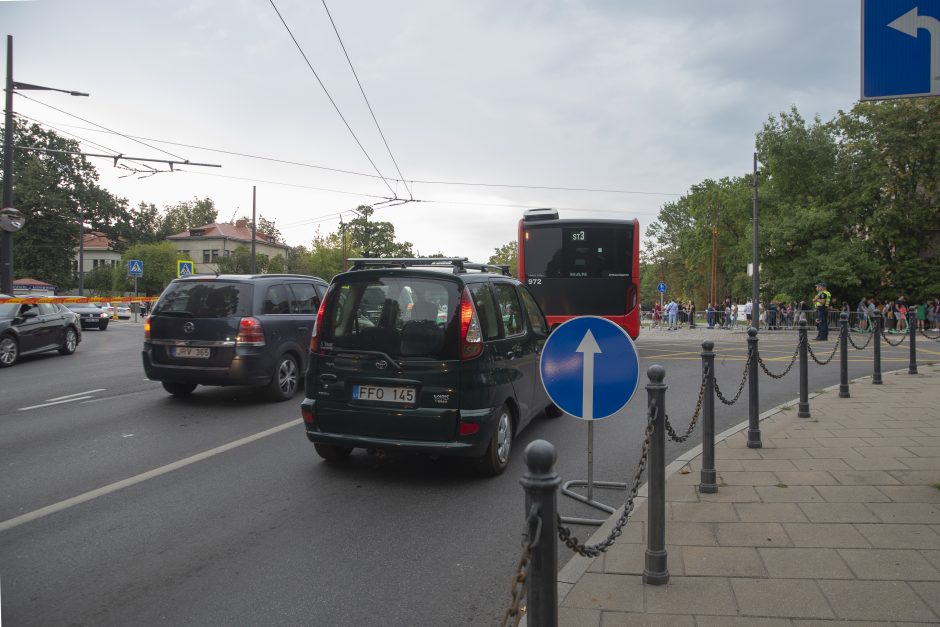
53 190
374 238
239 262
265 226
100 280
507 254
854 201
159 268
186 215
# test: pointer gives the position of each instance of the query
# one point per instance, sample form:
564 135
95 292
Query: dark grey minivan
232 330
429 356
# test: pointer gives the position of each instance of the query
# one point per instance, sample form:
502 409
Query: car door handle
327 377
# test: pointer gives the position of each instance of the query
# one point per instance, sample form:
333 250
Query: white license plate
188 351
383 394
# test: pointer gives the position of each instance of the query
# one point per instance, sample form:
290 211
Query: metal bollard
656 572
540 483
803 409
753 409
876 375
912 327
844 355
708 483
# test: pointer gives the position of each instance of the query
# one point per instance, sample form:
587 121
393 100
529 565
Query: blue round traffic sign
661 288
590 368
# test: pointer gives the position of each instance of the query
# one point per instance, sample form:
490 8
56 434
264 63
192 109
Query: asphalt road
97 527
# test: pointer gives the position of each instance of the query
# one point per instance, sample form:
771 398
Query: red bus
582 267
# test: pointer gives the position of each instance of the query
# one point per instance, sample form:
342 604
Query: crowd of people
731 314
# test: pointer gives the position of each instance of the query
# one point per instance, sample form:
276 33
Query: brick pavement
836 520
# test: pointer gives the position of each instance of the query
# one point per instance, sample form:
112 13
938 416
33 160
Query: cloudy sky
641 99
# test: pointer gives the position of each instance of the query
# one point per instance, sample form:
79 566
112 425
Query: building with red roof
205 245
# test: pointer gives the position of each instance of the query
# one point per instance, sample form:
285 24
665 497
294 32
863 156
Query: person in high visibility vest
822 300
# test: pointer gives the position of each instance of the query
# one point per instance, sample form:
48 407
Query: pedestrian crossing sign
135 268
184 268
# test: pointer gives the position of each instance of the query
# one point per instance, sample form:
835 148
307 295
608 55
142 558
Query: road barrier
33 300
534 584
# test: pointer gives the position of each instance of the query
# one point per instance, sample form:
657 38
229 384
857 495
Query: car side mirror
32 313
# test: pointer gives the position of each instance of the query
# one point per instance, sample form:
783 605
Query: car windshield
8 310
205 299
401 316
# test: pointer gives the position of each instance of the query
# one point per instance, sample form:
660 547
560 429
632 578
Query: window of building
205 256
215 255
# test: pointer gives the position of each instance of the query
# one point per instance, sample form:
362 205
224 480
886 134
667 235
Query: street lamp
755 275
6 237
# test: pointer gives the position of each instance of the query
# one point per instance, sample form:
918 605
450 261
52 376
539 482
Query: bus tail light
471 335
250 333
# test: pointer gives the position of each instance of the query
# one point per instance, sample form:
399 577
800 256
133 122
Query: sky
637 101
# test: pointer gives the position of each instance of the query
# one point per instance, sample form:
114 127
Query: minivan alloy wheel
287 377
503 436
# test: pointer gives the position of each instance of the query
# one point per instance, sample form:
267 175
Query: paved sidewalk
835 520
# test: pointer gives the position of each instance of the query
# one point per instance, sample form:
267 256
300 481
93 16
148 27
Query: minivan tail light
250 333
471 335
318 323
147 329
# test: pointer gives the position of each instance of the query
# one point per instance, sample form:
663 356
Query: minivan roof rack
459 264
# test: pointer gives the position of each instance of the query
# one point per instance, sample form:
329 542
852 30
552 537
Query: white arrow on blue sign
135 267
900 48
590 368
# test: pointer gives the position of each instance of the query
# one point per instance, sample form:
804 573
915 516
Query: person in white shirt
748 308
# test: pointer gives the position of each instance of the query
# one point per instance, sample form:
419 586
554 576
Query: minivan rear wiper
374 353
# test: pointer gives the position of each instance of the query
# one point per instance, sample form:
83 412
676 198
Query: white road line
59 398
68 400
150 474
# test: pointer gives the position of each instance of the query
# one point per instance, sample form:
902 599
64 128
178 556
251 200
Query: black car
92 316
232 330
26 329
441 359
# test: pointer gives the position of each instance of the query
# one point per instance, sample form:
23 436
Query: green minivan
435 356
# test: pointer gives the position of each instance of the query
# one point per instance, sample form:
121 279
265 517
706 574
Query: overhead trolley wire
364 97
333 102
22 95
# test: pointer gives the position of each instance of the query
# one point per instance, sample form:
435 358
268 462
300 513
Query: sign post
135 268
590 370
661 288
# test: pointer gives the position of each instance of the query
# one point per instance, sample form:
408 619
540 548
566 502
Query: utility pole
755 285
713 291
254 225
6 241
81 252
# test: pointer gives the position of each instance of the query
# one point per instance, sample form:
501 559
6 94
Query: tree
507 254
265 226
159 268
375 239
53 190
100 280
186 215
239 262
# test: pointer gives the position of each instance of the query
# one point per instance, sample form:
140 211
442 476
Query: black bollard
656 572
876 375
844 355
912 327
753 406
540 483
708 484
803 409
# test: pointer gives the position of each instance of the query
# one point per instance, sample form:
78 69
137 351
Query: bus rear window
576 252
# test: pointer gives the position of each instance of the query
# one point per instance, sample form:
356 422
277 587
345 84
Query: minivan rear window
401 316
205 299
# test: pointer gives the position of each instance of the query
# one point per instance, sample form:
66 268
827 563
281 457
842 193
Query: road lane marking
68 400
59 398
150 474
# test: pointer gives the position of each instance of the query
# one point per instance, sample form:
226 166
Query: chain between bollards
709 477
753 405
803 409
843 355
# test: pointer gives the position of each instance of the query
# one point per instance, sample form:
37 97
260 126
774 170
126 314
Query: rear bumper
459 446
248 368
